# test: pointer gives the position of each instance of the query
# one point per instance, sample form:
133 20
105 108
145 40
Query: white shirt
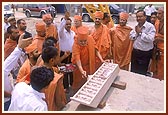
144 41
25 98
6 25
66 39
148 10
9 64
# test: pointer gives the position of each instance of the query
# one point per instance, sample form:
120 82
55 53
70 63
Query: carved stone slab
92 92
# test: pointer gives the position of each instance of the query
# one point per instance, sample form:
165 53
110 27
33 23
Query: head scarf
82 33
77 17
124 15
98 14
47 17
40 26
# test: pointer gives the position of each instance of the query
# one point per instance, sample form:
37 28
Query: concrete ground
142 94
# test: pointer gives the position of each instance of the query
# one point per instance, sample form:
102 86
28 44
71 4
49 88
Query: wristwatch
140 33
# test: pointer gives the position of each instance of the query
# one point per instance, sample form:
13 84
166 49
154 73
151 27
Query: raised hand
22 43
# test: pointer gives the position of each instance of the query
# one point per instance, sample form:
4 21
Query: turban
82 32
40 26
31 47
47 17
77 17
98 14
124 15
11 18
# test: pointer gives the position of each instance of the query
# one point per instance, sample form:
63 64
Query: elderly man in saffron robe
121 43
157 66
84 52
100 34
77 23
51 30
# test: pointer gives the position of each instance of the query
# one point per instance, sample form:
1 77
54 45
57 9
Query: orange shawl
109 25
9 47
160 44
157 66
102 38
24 72
51 31
39 41
86 54
121 45
73 28
55 95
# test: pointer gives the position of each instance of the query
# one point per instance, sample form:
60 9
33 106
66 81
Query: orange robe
102 38
55 95
73 28
109 25
157 66
39 41
121 46
86 54
51 31
9 47
24 72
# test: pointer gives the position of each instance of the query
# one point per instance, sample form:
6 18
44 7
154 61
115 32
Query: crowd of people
33 61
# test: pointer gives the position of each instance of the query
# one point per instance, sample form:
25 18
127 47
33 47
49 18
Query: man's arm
133 35
12 59
78 63
62 24
99 56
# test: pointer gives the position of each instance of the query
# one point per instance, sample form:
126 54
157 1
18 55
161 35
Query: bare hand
84 74
109 60
67 53
138 29
67 15
22 43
